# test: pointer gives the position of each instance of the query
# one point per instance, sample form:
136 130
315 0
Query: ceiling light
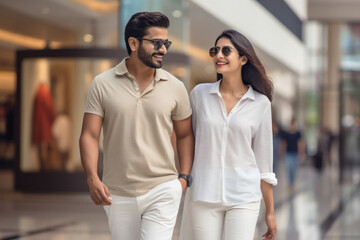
96 5
25 41
88 38
177 13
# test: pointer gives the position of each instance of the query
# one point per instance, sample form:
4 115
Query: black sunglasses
215 50
158 43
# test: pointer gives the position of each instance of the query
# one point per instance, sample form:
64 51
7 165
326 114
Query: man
138 105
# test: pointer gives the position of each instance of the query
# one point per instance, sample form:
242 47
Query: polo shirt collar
160 74
121 69
250 94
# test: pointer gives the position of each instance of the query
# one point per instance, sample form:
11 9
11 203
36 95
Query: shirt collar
249 94
121 69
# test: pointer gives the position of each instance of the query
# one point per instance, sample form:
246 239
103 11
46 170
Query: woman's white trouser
214 221
147 217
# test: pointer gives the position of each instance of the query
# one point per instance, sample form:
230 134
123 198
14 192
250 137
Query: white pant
214 221
147 217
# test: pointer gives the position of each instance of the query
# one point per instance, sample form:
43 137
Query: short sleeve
182 109
263 148
94 99
299 136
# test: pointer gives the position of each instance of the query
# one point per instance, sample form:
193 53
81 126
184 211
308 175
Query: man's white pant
147 217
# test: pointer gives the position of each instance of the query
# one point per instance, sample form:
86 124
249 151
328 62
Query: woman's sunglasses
158 43
215 50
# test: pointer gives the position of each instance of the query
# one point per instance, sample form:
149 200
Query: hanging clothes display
44 115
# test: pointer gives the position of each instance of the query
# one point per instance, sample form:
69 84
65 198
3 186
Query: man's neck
139 70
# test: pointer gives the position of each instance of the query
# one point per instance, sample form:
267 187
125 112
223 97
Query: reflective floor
318 208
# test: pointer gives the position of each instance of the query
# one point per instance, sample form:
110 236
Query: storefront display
52 89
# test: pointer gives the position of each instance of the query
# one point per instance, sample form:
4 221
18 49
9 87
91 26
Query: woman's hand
271 224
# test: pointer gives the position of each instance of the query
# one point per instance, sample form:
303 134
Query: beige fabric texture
137 128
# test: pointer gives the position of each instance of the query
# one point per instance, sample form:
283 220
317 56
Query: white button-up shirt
232 152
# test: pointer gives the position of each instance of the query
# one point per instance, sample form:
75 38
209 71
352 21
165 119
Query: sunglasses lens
167 44
226 51
157 44
213 51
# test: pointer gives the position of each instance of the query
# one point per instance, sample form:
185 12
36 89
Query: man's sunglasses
158 43
215 50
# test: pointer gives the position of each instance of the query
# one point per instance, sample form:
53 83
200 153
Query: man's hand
183 184
99 193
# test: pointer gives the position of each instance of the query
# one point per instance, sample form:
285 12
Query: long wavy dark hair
253 72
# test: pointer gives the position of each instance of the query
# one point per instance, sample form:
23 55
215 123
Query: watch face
190 180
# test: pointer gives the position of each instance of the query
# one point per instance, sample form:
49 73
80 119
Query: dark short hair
139 23
253 72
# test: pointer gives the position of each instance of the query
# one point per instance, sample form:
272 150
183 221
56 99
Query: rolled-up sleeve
263 148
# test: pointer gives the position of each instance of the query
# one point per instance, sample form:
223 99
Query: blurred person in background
138 105
233 166
294 150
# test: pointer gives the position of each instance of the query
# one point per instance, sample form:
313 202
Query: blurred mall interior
311 52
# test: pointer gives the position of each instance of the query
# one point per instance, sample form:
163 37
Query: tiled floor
319 208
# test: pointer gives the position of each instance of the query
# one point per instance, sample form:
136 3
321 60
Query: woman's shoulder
203 87
261 98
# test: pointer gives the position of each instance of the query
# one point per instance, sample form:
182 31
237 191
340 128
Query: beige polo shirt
137 128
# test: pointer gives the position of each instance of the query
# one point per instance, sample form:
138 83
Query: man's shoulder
110 73
169 77
105 78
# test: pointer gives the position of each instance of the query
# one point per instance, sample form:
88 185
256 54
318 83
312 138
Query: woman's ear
243 60
133 43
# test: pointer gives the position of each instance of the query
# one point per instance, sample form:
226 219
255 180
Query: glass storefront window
350 94
350 116
52 103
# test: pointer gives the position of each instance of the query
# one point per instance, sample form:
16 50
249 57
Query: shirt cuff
269 178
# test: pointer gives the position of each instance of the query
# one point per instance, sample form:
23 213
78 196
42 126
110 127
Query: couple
138 104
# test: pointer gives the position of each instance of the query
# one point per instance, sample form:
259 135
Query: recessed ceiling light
177 13
88 38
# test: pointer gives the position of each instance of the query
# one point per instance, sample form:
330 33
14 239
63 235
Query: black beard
146 58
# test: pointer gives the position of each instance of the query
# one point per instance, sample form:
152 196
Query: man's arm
185 147
301 149
89 151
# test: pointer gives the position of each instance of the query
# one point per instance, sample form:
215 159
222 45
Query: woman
233 150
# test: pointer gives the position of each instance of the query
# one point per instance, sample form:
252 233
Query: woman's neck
233 84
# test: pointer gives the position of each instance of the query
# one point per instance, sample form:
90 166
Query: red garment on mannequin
44 115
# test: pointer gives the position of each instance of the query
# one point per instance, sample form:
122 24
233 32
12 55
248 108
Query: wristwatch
188 179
